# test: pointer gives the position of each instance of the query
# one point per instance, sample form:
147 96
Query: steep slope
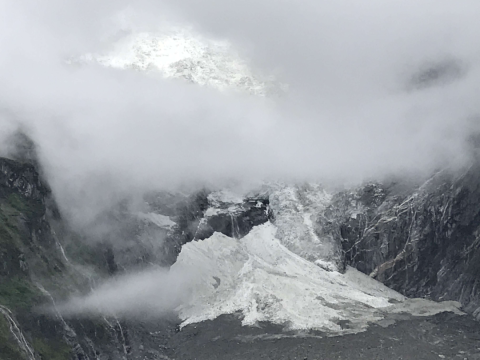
43 261
36 272
422 242
29 252
418 239
241 265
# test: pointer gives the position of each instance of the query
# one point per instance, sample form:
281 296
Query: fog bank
375 89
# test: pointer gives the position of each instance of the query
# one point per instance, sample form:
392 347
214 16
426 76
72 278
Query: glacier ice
265 281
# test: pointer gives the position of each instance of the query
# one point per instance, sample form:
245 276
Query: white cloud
350 113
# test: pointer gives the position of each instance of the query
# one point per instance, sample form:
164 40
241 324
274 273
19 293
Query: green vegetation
16 246
30 208
52 349
8 231
84 253
27 252
8 348
18 294
16 201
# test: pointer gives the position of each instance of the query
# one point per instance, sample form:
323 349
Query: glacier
265 276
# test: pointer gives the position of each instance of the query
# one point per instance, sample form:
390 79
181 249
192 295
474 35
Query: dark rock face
236 221
23 179
192 221
422 243
135 242
29 253
24 231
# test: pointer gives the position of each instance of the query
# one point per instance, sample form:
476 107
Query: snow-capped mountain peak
181 54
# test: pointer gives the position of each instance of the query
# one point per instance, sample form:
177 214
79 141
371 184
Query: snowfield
265 281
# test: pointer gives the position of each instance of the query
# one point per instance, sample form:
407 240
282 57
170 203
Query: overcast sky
360 104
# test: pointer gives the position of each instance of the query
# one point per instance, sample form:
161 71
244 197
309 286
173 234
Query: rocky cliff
36 270
421 240
42 260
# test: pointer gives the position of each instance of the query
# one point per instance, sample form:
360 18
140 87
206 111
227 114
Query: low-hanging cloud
153 292
363 102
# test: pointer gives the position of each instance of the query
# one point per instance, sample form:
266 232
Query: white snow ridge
261 278
180 54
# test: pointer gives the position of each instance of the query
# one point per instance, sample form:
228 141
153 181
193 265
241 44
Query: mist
359 104
150 293
375 89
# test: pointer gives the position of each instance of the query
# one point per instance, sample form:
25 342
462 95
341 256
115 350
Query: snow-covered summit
178 53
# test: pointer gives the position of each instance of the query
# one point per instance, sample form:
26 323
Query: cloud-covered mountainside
312 165
357 95
263 275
